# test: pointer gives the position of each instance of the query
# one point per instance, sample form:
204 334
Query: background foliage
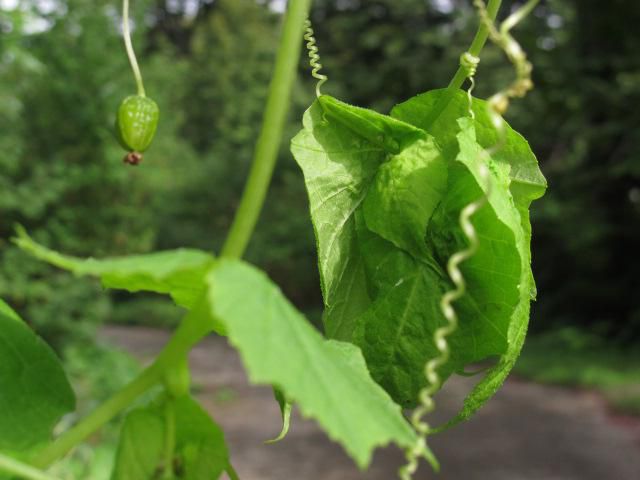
207 63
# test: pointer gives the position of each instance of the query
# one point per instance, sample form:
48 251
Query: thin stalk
268 144
190 331
126 31
169 437
461 74
17 468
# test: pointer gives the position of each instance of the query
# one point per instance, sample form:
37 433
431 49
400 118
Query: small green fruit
136 125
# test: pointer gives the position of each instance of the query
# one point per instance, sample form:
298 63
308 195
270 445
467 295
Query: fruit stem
126 31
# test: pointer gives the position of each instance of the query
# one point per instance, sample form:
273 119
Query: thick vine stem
272 127
169 438
126 31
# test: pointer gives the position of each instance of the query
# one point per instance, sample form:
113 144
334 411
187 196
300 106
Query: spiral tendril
498 105
522 84
434 382
314 57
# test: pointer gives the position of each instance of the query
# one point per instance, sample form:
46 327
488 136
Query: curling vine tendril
314 57
470 63
498 105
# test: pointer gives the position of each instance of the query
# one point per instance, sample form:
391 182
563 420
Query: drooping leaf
34 390
519 320
200 449
527 184
328 380
326 150
397 227
179 273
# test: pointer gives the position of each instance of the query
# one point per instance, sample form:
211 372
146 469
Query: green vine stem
169 438
191 331
269 141
126 31
14 467
461 74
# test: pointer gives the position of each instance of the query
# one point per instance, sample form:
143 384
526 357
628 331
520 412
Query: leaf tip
286 423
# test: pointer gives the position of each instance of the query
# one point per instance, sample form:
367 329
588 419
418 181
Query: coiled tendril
470 63
498 104
314 57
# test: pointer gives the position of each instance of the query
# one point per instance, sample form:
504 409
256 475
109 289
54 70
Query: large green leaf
383 262
328 380
179 273
200 449
34 391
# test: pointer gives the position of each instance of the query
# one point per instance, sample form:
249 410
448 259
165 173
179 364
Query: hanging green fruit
137 117
136 125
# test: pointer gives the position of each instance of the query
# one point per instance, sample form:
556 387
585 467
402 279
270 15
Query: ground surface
527 432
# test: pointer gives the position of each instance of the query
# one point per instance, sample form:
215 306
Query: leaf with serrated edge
34 391
328 380
179 273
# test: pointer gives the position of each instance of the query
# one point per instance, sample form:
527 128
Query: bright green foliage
200 445
513 288
141 445
404 194
327 379
178 273
35 391
527 182
386 223
200 449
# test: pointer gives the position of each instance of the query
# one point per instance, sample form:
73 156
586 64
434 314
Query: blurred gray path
527 432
